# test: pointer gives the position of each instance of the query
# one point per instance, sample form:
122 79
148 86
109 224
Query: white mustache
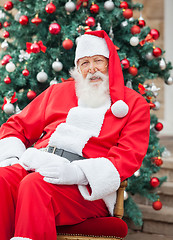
96 75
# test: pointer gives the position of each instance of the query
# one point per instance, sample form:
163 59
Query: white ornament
129 84
157 105
125 195
109 5
131 19
70 6
137 173
57 66
42 77
9 108
17 16
4 45
111 34
54 81
162 64
149 56
120 109
10 67
98 28
124 24
134 41
169 81
23 56
2 15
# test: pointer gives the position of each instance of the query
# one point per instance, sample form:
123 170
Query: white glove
33 158
9 162
64 173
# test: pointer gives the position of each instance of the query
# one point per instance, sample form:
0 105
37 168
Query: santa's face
89 66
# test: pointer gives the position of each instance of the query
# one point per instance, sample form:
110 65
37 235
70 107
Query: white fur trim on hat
89 45
120 109
20 238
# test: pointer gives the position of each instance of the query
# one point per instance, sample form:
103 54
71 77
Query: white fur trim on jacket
11 147
20 238
103 179
81 124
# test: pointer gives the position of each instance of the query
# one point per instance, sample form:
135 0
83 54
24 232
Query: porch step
155 222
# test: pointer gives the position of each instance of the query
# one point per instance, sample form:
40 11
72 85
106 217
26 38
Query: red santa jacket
123 141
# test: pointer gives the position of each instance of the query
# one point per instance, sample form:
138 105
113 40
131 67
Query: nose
92 68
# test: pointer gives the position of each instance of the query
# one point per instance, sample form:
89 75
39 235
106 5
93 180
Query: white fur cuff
103 178
20 238
11 147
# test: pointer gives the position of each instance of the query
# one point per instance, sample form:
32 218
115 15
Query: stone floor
135 235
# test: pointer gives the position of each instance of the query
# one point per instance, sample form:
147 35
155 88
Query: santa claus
89 135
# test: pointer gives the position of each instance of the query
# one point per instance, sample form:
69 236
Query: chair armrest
119 206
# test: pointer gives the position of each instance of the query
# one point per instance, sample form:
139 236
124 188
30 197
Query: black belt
68 155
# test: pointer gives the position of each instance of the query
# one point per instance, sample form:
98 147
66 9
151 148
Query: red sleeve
28 125
132 145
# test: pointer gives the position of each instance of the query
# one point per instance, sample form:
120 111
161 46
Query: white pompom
120 109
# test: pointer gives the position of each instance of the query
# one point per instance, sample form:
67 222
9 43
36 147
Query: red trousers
32 208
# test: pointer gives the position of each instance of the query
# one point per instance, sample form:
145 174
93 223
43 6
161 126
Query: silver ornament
137 173
157 105
70 6
98 28
54 81
134 41
162 64
125 195
42 77
129 84
4 45
9 108
57 66
169 81
124 24
109 5
149 56
10 67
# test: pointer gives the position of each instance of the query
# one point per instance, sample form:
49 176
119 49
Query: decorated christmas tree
38 42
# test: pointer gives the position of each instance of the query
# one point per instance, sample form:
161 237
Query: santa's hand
64 173
9 162
33 159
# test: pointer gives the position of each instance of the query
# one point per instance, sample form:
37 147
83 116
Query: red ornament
157 205
0 25
125 63
6 24
21 0
124 5
8 5
133 71
157 161
6 34
141 23
36 20
23 20
135 29
94 8
31 95
25 72
50 8
157 52
67 44
154 182
54 28
152 105
158 126
7 80
90 21
35 48
154 33
127 13
6 59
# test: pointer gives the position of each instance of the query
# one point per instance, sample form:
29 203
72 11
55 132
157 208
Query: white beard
91 94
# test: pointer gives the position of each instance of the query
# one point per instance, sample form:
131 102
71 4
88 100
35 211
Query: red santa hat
99 43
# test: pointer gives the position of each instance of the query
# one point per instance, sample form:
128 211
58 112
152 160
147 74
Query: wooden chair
93 228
